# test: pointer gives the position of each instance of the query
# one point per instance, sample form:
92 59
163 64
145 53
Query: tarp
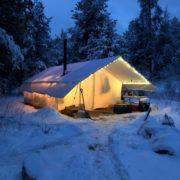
51 81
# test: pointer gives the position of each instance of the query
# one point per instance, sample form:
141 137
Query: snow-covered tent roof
51 81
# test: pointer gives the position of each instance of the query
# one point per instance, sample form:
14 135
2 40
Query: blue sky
121 10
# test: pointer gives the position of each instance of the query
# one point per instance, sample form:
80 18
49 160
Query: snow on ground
138 157
53 146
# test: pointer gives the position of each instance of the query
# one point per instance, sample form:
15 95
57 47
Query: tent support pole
79 95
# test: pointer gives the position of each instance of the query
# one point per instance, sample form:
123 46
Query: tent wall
41 100
100 89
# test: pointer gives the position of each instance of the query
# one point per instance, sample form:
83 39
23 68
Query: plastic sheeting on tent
112 73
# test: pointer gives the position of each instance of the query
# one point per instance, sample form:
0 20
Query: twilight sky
121 10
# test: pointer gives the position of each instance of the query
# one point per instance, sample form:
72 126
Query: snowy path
87 155
116 161
105 158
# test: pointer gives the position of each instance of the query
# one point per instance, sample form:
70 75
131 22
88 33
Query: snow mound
49 115
167 142
34 165
45 115
48 118
163 139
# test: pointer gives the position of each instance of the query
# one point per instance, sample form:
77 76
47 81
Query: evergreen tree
13 18
175 39
94 33
151 42
140 38
39 38
55 55
132 47
11 60
25 21
162 46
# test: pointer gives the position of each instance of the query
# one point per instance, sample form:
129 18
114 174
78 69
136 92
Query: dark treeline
151 42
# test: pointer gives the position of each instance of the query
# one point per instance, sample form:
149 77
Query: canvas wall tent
101 81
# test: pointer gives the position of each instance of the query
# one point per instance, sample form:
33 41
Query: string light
135 71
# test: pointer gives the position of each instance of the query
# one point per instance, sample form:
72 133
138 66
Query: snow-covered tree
56 49
132 46
11 60
162 45
14 18
94 33
42 31
26 22
39 39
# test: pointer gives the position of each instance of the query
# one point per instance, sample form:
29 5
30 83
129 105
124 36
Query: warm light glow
134 82
41 100
101 88
102 97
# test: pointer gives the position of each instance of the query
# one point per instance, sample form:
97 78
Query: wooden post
79 94
84 107
145 120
